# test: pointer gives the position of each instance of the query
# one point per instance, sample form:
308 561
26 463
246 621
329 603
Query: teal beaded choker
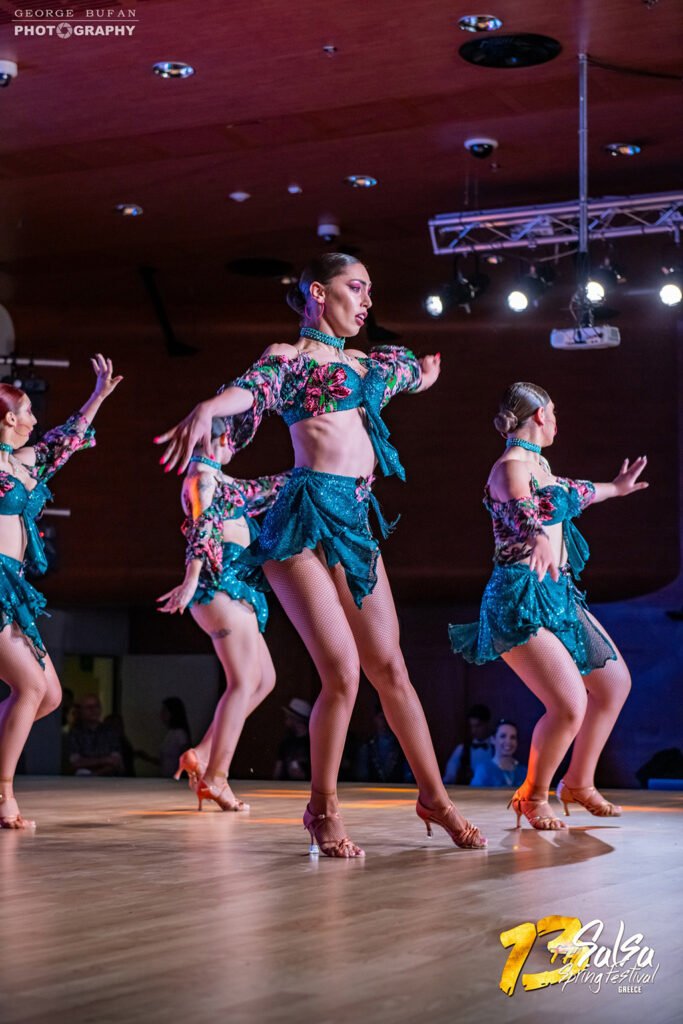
207 462
326 339
519 442
6 447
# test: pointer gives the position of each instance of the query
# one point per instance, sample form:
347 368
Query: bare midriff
12 537
335 442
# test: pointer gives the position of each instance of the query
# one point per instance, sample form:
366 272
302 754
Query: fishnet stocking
34 693
249 675
339 637
547 668
608 688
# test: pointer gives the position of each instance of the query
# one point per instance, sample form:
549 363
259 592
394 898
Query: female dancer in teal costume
219 522
316 546
25 665
534 617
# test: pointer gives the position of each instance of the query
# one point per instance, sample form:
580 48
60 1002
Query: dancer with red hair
25 470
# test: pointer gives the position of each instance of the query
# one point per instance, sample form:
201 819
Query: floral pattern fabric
231 500
56 447
517 521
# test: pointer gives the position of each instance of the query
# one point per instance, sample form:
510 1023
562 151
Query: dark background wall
122 546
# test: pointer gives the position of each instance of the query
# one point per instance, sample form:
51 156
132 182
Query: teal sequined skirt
323 509
20 605
231 585
516 604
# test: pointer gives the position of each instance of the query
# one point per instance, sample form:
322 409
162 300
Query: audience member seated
294 753
115 723
478 747
93 747
502 769
381 758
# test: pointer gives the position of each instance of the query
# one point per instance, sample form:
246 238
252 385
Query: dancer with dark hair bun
316 546
25 470
220 520
534 617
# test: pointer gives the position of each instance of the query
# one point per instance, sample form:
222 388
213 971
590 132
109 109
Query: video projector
586 337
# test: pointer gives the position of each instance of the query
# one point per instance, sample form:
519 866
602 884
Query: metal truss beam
526 227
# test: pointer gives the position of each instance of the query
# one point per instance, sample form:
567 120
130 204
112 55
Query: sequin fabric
322 509
232 499
52 452
301 388
21 604
516 604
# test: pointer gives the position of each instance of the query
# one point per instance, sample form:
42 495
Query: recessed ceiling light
129 209
294 189
522 50
361 180
330 50
240 197
480 23
622 148
172 69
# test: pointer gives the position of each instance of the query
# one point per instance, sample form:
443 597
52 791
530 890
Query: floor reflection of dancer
316 545
533 616
25 665
219 524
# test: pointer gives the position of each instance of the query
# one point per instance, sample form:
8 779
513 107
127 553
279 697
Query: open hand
184 437
431 368
542 559
104 371
178 599
626 481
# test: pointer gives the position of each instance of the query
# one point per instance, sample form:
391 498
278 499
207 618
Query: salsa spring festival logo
587 956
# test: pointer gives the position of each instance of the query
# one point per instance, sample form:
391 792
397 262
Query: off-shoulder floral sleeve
518 521
57 446
401 369
267 380
204 540
262 492
584 490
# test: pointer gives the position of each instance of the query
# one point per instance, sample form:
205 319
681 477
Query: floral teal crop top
232 499
300 388
52 452
516 521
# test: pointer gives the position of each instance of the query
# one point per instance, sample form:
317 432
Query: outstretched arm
625 482
105 385
195 429
202 530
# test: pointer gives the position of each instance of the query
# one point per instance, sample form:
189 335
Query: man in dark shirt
94 748
294 752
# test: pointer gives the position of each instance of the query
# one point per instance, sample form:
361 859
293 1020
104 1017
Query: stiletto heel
189 763
342 847
206 792
598 806
541 822
467 838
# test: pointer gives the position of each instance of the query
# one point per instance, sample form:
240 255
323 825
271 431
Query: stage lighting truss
525 227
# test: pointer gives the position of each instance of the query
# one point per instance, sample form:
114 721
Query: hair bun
295 299
506 421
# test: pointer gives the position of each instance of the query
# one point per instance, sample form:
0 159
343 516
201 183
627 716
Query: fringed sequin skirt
235 588
20 605
323 509
516 604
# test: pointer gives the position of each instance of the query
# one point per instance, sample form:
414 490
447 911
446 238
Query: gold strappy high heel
598 806
329 847
206 792
541 822
467 838
12 820
189 763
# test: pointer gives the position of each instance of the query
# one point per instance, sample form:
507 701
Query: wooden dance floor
127 906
